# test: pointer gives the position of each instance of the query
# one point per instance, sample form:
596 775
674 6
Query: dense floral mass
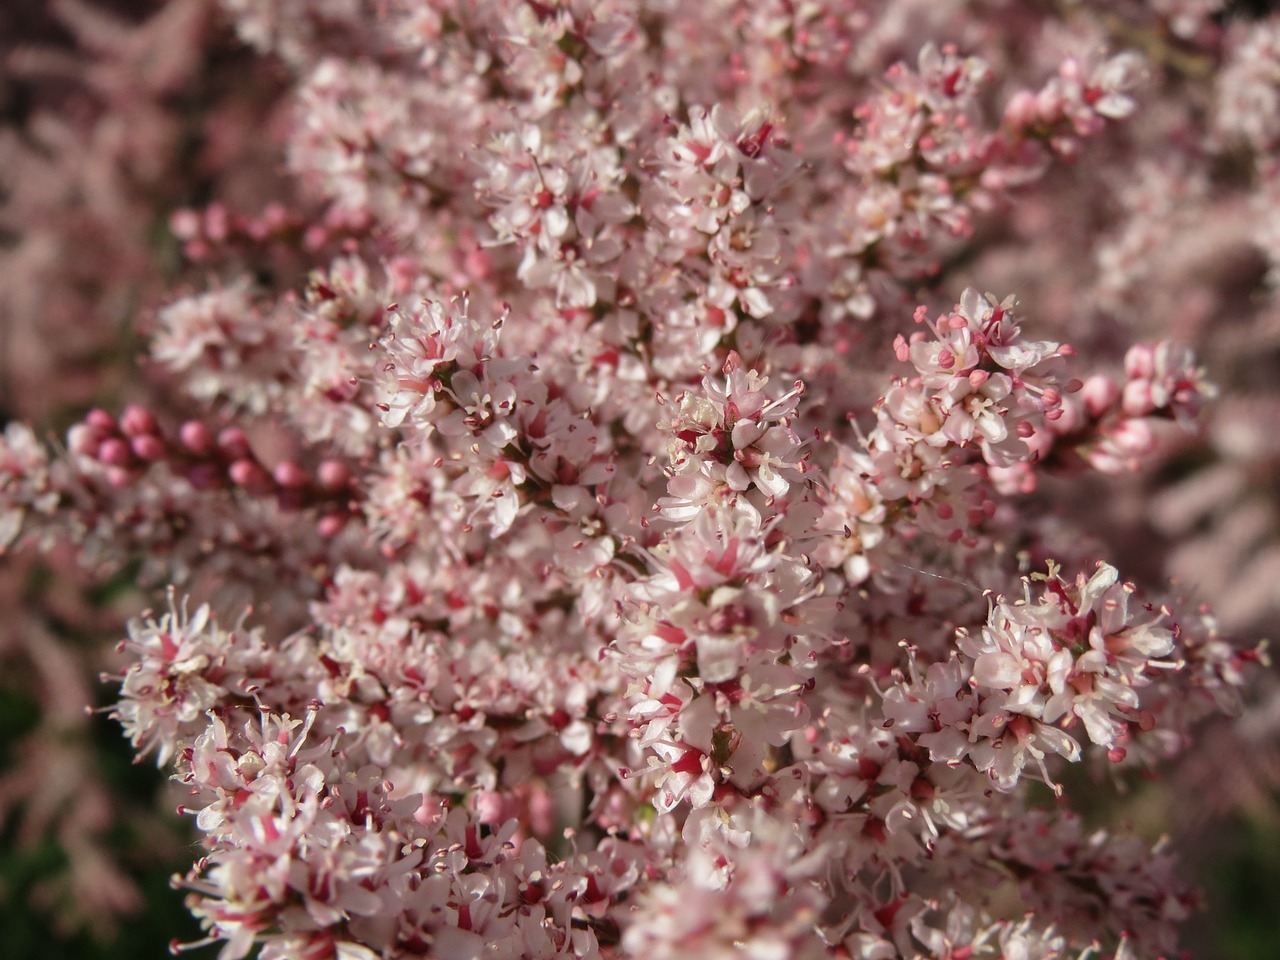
602 515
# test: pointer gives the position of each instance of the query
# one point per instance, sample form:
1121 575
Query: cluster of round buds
124 449
1077 103
1111 425
204 232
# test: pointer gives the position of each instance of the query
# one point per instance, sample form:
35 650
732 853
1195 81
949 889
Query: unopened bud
217 222
288 474
185 224
333 475
1021 110
196 437
137 421
245 473
233 442
148 447
115 452
100 420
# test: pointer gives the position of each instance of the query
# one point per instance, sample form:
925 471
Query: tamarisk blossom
1076 655
594 548
730 438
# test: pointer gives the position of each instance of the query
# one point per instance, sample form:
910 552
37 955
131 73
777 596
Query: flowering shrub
602 514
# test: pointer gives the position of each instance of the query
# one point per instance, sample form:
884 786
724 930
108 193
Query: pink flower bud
196 437
137 421
1049 104
196 250
1069 419
489 807
315 237
149 448
289 474
542 809
333 475
276 216
1017 478
217 222
1021 111
248 474
1134 437
115 452
233 442
1040 442
101 420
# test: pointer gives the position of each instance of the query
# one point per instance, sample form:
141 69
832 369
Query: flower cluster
628 542
1076 656
729 438
342 864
